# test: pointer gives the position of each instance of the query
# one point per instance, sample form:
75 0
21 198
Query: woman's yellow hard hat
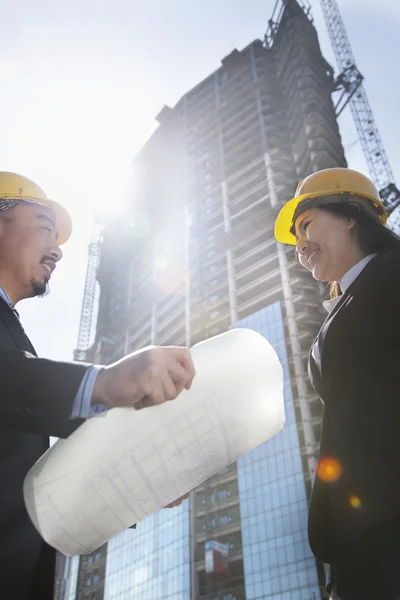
17 187
329 186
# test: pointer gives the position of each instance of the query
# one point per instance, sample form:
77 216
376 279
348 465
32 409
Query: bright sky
84 79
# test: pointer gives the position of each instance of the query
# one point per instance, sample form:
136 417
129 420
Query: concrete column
229 257
187 226
153 337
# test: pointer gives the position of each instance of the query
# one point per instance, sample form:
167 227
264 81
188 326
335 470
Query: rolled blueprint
114 471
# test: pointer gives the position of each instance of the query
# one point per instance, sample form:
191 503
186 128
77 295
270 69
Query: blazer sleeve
37 395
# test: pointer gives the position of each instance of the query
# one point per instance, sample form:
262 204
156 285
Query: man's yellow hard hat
329 186
17 187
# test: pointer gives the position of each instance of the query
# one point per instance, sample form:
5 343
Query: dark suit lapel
13 324
315 366
314 372
343 303
328 321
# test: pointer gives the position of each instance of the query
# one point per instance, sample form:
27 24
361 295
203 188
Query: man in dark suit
41 398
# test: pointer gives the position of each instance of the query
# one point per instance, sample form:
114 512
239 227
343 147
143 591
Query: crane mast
89 294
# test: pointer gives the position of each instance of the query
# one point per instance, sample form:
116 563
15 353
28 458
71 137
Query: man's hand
145 378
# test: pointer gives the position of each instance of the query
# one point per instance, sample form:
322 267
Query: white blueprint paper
116 470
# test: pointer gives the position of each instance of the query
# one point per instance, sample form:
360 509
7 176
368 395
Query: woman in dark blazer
337 223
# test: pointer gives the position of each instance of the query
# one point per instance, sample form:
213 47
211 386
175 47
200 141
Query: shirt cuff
82 408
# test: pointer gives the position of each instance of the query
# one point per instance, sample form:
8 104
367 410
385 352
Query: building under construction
194 257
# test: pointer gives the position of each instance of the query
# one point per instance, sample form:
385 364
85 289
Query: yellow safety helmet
17 187
329 186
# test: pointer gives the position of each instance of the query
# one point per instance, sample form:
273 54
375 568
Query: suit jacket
358 380
36 399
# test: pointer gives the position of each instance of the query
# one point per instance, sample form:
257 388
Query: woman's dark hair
372 236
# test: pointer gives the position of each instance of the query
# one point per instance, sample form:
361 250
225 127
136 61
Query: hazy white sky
82 81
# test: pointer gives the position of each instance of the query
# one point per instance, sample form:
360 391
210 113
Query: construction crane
89 294
350 82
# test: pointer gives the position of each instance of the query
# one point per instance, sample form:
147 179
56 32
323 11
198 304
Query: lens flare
355 502
329 470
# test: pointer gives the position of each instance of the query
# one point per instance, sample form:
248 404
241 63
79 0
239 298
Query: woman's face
325 245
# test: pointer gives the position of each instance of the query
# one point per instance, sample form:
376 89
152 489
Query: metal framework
347 83
351 82
85 325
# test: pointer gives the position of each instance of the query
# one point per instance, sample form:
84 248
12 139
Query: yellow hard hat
329 186
16 187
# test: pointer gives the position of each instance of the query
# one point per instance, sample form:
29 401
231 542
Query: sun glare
78 142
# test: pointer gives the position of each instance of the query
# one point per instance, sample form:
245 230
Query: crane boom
367 130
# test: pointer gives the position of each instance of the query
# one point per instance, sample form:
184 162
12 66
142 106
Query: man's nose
55 252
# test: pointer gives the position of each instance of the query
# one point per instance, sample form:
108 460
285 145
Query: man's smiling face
28 250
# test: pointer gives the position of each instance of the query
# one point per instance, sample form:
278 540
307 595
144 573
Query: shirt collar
5 296
354 272
348 279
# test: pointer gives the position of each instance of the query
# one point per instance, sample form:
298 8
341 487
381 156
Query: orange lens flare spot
329 470
355 502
